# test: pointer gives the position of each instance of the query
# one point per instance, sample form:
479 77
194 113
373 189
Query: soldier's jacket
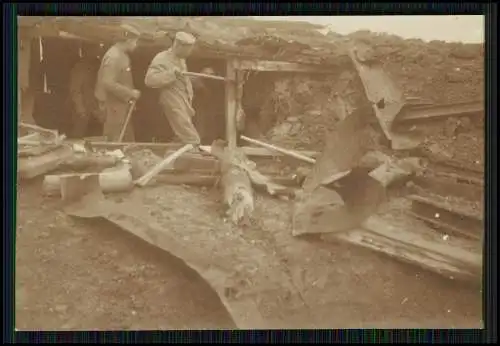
176 94
114 79
161 75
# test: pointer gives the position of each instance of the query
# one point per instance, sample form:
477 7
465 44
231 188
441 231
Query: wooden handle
287 152
145 179
203 75
127 120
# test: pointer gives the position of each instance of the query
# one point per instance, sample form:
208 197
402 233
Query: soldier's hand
178 73
135 94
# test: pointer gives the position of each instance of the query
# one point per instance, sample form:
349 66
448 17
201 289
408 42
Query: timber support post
231 104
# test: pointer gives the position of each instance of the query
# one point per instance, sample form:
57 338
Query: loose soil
87 275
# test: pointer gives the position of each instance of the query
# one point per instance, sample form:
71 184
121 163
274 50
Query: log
89 161
236 184
243 163
31 167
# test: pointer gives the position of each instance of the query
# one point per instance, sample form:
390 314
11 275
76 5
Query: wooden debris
144 180
31 167
75 186
242 162
79 162
393 171
424 249
287 152
116 179
249 151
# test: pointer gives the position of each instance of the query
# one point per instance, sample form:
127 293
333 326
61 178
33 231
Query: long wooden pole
279 150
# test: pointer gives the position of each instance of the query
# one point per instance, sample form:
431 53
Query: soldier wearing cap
176 91
115 88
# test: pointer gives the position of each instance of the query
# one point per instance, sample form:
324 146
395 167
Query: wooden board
413 242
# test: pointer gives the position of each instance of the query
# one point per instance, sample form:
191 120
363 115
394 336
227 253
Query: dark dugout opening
52 60
50 67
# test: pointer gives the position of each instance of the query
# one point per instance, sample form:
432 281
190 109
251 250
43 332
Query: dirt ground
86 275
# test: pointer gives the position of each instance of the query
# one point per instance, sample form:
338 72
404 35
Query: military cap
185 38
129 31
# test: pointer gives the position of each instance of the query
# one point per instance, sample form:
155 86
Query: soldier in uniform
176 91
115 88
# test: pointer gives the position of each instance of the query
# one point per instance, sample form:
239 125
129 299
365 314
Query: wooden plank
286 152
231 105
399 232
448 205
279 66
442 111
408 253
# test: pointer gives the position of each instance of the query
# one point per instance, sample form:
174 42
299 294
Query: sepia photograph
272 172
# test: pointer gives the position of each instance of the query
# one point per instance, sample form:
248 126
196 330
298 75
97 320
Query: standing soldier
176 91
115 88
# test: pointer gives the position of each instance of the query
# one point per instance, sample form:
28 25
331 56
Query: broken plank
410 254
451 206
442 218
279 66
444 226
458 109
408 233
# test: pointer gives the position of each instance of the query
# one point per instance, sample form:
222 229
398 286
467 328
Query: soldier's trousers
115 114
180 117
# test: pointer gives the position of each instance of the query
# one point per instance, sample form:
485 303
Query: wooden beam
279 66
287 152
231 105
